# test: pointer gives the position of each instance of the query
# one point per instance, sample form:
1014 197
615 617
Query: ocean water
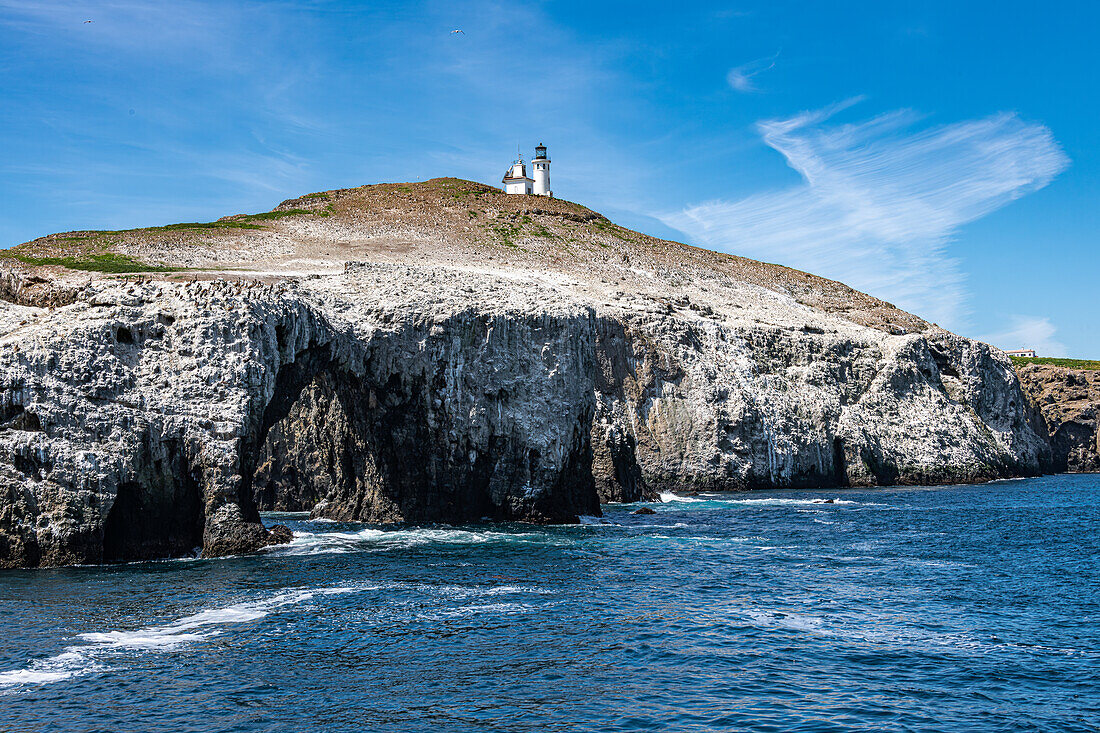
913 609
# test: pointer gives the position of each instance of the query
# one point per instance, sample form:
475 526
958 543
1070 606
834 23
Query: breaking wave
87 658
98 649
668 497
369 539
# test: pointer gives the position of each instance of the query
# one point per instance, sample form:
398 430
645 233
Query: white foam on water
79 660
454 592
184 630
788 621
98 647
873 628
70 663
368 539
668 497
694 538
141 639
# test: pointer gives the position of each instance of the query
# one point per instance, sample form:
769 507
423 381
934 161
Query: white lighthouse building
516 179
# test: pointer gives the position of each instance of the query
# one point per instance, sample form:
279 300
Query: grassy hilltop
1053 361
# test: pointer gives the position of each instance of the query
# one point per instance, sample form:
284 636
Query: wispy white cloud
880 200
1029 332
222 95
740 78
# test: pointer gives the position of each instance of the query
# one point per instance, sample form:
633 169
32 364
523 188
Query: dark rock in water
829 501
229 535
644 510
279 534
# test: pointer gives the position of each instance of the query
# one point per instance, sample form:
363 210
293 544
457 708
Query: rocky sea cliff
1069 401
440 352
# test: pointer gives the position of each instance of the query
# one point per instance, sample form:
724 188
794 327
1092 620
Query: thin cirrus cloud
740 78
880 200
1029 332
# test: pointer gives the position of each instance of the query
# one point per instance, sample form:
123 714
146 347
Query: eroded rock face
153 419
474 416
149 420
708 407
125 412
1069 400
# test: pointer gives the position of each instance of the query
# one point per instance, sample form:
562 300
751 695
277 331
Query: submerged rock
279 534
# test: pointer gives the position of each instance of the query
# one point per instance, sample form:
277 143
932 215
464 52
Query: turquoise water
952 608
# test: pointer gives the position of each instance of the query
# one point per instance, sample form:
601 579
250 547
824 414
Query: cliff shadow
381 444
615 469
158 513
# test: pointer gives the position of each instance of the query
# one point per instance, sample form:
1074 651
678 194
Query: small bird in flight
462 32
89 21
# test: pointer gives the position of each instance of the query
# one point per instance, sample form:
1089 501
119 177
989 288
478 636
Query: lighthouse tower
541 172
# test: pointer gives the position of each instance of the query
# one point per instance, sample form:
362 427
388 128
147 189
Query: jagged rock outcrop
1069 400
142 420
436 416
446 378
709 407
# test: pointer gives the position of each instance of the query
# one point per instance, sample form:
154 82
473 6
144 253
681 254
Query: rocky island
441 352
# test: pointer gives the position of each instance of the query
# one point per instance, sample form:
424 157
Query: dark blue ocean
966 608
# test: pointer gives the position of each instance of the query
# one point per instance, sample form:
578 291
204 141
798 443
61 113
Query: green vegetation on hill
200 225
243 221
1051 361
102 262
89 250
240 221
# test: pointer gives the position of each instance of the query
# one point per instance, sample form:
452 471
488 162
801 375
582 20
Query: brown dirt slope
444 221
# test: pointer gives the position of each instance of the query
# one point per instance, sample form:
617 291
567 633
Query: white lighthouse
516 179
541 166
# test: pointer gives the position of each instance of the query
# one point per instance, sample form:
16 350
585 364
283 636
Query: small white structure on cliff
516 179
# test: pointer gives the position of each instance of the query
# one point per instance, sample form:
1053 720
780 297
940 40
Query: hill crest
442 222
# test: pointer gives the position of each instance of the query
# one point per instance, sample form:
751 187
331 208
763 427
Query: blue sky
944 156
